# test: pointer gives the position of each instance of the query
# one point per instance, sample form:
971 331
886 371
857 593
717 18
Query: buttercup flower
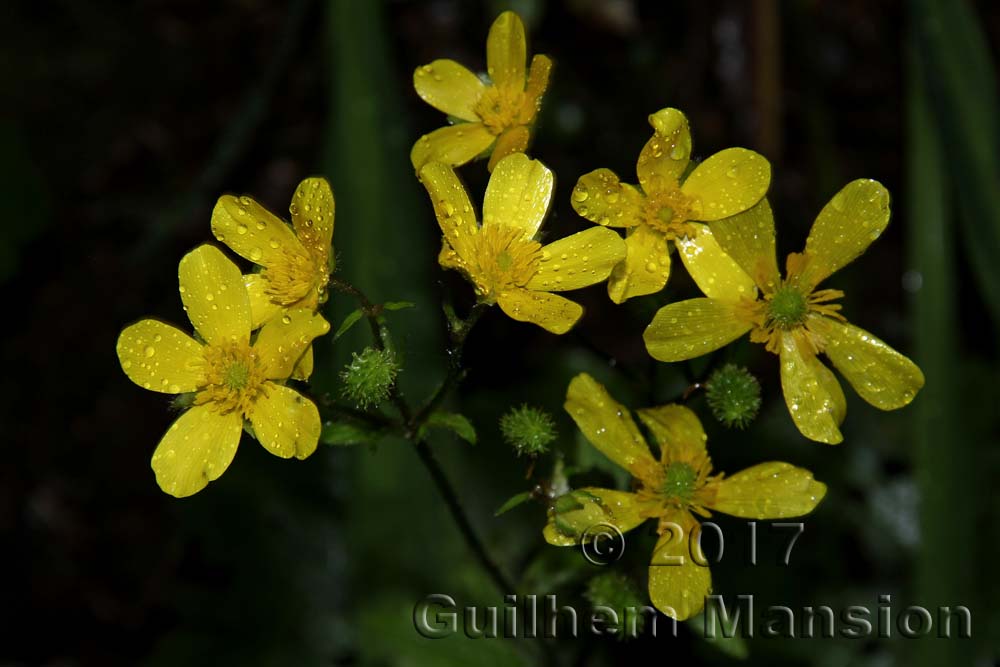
296 261
502 259
234 379
669 491
669 206
498 115
794 319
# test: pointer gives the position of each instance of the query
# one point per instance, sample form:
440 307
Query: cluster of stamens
502 107
502 258
234 377
681 482
788 310
293 277
669 210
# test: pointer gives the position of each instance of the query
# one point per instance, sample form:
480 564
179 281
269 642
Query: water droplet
241 229
256 254
150 351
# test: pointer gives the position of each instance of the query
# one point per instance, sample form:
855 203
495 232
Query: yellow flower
499 115
794 319
670 207
669 491
502 259
232 378
296 261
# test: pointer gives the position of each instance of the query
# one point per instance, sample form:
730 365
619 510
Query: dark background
122 123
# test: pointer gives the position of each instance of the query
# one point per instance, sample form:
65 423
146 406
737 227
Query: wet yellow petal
285 422
773 490
666 155
812 393
196 449
312 210
689 329
453 145
608 426
507 51
253 232
646 266
844 229
677 584
553 313
881 375
262 308
677 430
282 341
451 206
449 87
727 183
214 296
518 194
716 273
579 260
160 357
538 79
304 366
515 140
620 509
748 238
600 197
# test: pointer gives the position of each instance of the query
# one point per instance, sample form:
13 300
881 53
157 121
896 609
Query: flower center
293 276
502 258
787 308
500 108
234 377
668 211
679 481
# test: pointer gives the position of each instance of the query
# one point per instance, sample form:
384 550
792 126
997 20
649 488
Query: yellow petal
448 258
748 238
304 366
538 80
262 308
453 145
451 206
513 141
253 232
285 422
620 509
507 51
553 313
282 341
600 197
678 585
646 266
196 449
312 210
727 183
518 194
812 393
716 273
214 295
666 155
852 219
579 260
689 329
449 87
881 375
773 490
608 426
677 430
160 357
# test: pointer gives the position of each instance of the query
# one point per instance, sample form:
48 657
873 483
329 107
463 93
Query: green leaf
398 305
514 501
452 421
346 433
349 321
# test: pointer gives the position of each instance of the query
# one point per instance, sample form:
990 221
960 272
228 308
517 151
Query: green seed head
528 430
370 376
788 308
733 395
679 481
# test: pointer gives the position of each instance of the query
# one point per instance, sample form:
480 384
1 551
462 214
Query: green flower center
788 308
236 375
679 481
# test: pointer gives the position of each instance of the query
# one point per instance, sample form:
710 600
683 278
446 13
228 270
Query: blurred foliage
121 125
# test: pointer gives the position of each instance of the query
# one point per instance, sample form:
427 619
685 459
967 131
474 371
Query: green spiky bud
528 430
616 591
733 394
369 377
